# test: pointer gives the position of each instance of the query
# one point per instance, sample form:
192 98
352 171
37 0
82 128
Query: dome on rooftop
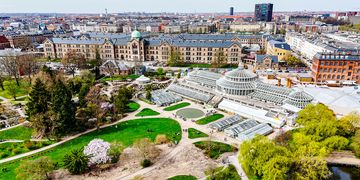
135 35
239 81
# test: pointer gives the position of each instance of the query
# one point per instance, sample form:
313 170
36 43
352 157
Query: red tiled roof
3 39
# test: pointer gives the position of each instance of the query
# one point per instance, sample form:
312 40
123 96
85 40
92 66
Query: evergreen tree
148 95
63 107
122 99
85 88
39 99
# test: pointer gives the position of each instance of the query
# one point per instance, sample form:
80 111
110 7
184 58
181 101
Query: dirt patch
190 161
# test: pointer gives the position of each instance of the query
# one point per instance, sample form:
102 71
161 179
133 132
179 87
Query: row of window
336 77
337 70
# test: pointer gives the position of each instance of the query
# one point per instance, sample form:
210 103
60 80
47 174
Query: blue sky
115 6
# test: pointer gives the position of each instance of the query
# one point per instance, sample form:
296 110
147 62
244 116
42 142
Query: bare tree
11 65
2 79
25 44
146 148
73 60
29 65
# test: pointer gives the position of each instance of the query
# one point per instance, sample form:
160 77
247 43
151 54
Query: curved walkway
129 117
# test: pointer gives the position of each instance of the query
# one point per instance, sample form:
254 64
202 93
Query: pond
344 173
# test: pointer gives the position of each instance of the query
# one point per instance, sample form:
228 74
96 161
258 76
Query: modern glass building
263 12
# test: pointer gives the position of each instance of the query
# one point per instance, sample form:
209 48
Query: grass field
214 149
124 132
147 112
183 177
177 106
209 119
16 133
118 78
194 133
133 106
22 90
12 149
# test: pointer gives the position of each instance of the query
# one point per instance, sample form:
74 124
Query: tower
263 12
231 11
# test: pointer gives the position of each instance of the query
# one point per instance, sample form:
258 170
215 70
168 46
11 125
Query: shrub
115 151
161 139
28 144
35 169
97 150
16 151
145 163
336 142
76 161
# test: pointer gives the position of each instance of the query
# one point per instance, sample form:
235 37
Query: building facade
263 12
338 67
280 49
191 48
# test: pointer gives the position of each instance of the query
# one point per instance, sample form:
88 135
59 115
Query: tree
294 61
174 58
161 139
39 99
97 63
84 90
336 143
178 75
63 107
160 71
318 120
11 65
310 168
116 148
277 167
25 43
76 161
36 169
11 88
256 153
349 124
219 59
2 79
148 95
146 148
73 60
97 151
29 65
94 101
122 99
44 124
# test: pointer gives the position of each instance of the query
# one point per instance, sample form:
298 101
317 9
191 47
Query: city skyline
198 6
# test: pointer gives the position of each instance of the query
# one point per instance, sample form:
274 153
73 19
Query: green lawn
133 106
22 90
147 112
16 133
177 106
183 177
214 149
209 119
228 173
125 132
194 133
119 78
